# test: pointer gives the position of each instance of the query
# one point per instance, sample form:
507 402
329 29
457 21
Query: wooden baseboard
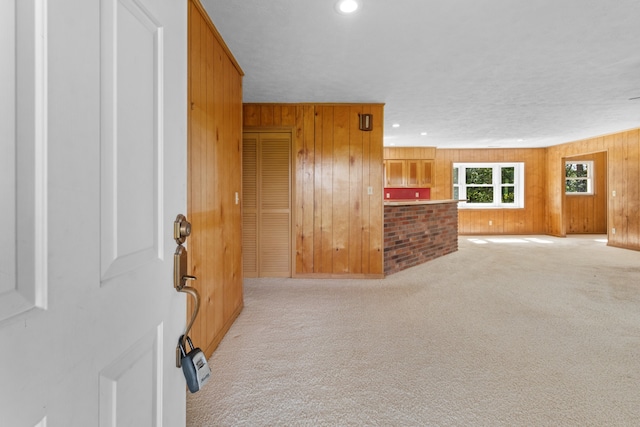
337 276
220 335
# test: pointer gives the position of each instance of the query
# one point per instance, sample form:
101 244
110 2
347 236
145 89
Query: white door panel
93 167
132 144
24 147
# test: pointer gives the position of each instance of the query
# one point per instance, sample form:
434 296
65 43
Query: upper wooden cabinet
395 172
411 167
419 173
412 173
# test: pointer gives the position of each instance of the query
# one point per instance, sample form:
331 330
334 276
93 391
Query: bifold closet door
267 204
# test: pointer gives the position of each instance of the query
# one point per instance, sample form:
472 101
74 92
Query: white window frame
588 178
518 177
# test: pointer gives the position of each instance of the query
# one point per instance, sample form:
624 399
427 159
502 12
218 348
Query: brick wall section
414 234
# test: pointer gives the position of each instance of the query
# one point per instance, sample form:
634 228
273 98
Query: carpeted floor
508 331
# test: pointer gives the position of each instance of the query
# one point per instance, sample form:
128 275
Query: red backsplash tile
407 193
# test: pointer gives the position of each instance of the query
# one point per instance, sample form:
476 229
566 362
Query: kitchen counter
407 202
417 231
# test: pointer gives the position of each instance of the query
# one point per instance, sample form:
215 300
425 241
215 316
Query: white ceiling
470 73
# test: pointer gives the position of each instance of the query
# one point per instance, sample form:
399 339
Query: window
489 185
578 177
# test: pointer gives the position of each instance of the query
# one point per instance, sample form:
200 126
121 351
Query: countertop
411 202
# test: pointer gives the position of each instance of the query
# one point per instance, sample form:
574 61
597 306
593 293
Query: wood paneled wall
422 153
529 220
338 226
623 177
214 176
588 213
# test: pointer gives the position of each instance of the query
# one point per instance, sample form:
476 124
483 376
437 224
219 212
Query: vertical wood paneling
621 196
210 318
623 177
197 131
251 115
319 171
632 211
266 115
365 230
409 153
341 204
288 115
325 188
233 286
304 186
355 192
529 220
277 115
214 119
376 209
337 224
617 184
309 189
298 189
600 204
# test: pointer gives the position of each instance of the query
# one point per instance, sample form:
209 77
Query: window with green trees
490 185
579 177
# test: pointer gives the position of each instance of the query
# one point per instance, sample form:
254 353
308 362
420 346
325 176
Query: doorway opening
585 194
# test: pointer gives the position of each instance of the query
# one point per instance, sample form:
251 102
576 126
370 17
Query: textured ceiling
470 73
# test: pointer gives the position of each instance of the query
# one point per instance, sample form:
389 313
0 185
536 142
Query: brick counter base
414 234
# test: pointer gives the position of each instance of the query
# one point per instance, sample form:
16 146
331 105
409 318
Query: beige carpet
514 331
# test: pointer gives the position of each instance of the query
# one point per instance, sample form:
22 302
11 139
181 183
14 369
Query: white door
92 176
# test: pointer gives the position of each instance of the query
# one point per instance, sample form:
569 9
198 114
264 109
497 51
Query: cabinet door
426 173
414 173
395 173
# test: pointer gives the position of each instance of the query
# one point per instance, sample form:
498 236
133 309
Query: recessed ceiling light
396 125
347 6
520 140
423 133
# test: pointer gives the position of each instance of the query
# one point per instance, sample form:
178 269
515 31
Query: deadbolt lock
181 229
